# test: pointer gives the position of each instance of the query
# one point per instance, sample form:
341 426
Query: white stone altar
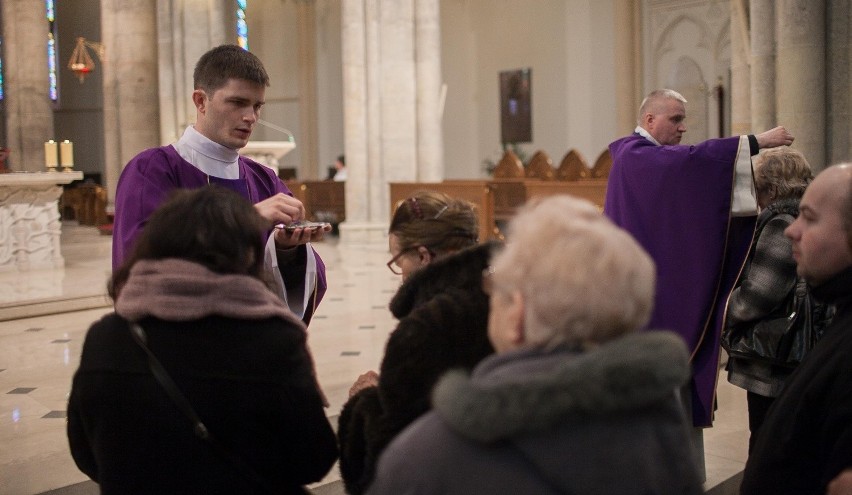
268 152
29 219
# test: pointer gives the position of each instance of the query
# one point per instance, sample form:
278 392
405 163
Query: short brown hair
225 62
440 223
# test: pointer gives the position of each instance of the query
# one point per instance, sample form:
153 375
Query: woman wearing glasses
443 319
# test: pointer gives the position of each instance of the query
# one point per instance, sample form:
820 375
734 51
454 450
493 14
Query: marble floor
44 316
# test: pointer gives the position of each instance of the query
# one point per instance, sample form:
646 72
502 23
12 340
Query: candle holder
50 155
66 155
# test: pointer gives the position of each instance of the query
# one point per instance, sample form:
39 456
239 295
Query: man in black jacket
806 440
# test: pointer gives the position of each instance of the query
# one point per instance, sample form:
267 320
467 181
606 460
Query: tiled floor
38 355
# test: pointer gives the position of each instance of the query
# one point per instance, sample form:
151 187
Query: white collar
208 156
645 134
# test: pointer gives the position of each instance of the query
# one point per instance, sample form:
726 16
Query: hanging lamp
81 62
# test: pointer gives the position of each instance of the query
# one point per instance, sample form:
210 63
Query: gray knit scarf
179 290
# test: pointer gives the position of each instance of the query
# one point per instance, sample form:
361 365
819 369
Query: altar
29 219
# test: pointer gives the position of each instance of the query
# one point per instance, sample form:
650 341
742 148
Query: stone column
309 141
762 21
182 37
29 110
839 79
388 109
740 77
628 70
430 140
131 109
355 117
800 90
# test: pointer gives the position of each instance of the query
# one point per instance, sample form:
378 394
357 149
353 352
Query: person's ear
199 99
425 255
515 319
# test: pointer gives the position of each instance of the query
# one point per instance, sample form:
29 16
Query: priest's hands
773 138
284 209
281 208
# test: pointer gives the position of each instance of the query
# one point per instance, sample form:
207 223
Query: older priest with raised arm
693 208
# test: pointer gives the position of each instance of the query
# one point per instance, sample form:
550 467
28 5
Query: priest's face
228 116
821 243
667 121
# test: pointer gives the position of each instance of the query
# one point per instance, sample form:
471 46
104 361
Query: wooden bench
593 190
85 203
324 200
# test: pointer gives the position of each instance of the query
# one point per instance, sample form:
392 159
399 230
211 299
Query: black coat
806 439
250 381
443 324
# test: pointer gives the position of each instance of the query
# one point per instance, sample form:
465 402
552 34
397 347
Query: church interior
413 93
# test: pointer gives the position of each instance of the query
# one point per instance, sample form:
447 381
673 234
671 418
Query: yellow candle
66 153
50 148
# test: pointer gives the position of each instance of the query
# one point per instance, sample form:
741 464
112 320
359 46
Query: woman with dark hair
768 277
243 413
443 318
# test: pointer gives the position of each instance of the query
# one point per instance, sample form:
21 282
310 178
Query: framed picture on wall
516 106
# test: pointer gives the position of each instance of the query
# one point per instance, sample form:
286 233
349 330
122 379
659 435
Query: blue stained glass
242 27
1 69
51 50
51 66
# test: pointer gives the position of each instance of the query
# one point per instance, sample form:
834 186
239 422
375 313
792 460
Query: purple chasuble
150 177
676 202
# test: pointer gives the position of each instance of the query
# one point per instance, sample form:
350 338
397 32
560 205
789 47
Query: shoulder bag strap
182 403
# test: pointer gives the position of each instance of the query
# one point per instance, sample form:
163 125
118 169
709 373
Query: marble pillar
740 76
29 110
762 22
430 141
839 79
800 87
131 102
628 70
308 120
391 83
182 38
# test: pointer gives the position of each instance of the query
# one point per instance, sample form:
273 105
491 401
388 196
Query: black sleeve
78 441
752 145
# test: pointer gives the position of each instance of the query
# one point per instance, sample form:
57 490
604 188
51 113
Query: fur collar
462 269
533 390
789 206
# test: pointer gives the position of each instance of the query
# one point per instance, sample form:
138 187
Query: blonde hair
583 279
652 101
782 173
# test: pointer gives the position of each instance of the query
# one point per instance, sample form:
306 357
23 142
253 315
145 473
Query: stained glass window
242 27
51 49
1 68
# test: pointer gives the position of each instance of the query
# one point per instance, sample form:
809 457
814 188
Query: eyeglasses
392 264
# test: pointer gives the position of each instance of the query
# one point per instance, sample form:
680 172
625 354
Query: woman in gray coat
574 400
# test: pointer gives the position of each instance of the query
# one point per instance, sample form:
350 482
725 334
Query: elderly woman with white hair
575 400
